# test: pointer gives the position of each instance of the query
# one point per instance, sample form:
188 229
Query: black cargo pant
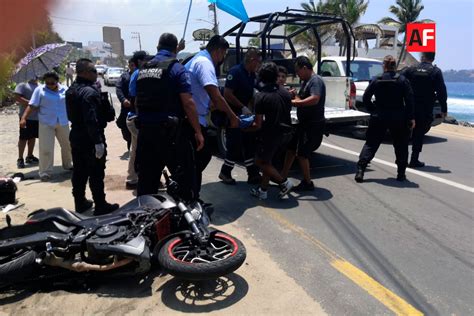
240 145
163 145
87 168
422 123
375 135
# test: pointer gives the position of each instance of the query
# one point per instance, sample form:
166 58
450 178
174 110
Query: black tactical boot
82 205
105 208
414 162
359 177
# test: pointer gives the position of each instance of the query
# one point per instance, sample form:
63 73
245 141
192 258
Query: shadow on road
204 296
434 169
392 182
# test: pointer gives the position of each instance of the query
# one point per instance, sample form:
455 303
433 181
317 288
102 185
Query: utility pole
137 36
212 7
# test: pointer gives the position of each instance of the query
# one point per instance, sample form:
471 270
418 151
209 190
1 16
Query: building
77 45
112 35
100 50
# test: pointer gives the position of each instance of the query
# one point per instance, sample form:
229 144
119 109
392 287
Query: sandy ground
258 287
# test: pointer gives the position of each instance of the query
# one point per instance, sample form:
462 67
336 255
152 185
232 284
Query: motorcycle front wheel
185 258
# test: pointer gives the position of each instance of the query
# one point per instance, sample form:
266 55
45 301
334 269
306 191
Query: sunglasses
93 70
50 83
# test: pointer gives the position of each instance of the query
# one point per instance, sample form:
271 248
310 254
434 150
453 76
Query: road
375 248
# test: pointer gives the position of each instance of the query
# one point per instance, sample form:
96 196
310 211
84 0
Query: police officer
121 89
238 92
88 117
392 110
163 101
428 85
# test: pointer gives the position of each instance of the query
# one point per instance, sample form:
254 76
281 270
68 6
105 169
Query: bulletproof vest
104 112
389 93
422 82
156 92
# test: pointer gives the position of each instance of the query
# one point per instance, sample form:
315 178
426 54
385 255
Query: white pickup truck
362 71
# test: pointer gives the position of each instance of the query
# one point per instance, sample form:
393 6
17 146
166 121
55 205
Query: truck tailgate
336 115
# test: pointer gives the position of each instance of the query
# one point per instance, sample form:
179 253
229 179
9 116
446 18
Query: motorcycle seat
60 214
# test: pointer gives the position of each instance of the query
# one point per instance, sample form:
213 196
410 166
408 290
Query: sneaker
304 187
83 206
256 179
416 164
258 192
130 185
20 163
105 208
31 160
226 179
285 188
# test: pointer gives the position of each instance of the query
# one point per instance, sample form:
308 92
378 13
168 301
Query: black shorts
307 139
31 130
267 146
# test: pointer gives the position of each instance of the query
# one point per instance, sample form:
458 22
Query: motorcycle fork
201 233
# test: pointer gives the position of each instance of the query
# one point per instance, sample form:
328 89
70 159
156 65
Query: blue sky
82 20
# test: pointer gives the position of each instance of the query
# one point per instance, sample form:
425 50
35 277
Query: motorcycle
151 230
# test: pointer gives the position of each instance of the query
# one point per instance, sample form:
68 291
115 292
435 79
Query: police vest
389 93
157 97
422 83
74 99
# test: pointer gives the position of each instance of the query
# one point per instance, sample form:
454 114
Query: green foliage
6 69
405 11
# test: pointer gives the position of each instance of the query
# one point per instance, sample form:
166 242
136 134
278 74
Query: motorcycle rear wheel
184 258
17 266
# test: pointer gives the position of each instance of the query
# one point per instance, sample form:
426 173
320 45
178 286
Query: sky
82 21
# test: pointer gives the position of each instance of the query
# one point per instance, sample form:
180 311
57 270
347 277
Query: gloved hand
99 150
246 111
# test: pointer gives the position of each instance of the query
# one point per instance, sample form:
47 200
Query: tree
405 11
350 10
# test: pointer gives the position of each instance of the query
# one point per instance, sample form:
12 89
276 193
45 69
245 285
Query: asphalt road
375 248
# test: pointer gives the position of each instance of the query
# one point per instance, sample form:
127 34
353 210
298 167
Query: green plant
6 69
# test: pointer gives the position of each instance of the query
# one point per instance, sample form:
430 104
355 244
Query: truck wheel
221 141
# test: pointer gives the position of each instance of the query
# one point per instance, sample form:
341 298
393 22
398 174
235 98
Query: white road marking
417 172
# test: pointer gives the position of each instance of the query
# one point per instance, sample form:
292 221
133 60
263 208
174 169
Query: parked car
112 75
101 69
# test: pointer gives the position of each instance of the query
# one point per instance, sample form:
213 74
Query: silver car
112 75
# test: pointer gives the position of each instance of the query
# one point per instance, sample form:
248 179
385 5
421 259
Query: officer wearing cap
393 110
428 85
167 121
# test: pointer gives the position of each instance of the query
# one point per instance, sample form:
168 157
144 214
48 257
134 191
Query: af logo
421 37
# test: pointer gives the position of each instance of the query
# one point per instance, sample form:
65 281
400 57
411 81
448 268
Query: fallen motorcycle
148 231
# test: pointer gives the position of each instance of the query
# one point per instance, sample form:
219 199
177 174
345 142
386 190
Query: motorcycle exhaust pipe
81 266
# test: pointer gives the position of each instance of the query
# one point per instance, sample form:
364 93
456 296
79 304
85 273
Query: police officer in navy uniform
88 116
393 110
238 92
428 85
167 120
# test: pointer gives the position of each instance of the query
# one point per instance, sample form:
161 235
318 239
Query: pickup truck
362 71
340 107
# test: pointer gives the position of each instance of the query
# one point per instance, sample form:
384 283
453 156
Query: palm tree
350 10
307 39
405 11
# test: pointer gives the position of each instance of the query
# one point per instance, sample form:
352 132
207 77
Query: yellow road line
389 299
